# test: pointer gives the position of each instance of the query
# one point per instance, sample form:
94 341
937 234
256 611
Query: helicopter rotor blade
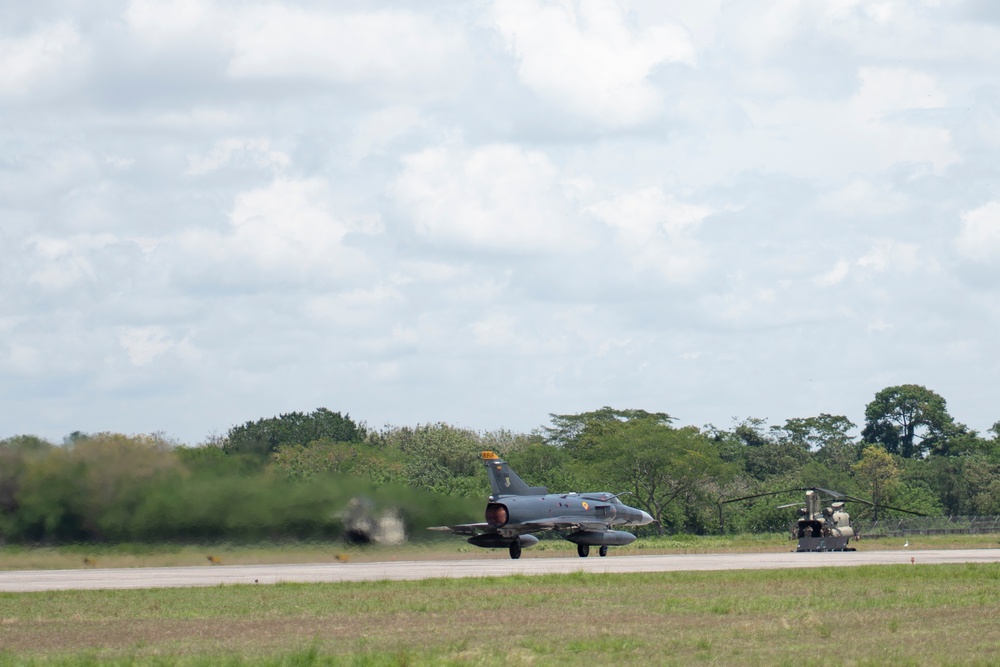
900 509
759 495
836 495
887 507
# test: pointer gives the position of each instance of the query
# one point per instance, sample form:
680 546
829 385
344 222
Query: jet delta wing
515 510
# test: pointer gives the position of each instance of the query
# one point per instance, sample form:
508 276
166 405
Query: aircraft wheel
583 550
515 549
603 551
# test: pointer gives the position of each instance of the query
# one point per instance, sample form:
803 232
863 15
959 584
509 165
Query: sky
486 212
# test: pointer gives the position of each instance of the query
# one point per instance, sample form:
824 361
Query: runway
173 577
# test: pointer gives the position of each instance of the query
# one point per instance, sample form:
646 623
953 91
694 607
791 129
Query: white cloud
193 119
582 56
23 359
64 262
376 131
836 275
143 344
864 197
646 213
886 90
498 330
287 228
393 53
119 162
888 120
353 308
881 12
878 324
159 24
35 179
656 231
745 304
435 272
981 130
566 201
238 151
756 30
979 239
286 219
52 55
495 198
403 49
891 255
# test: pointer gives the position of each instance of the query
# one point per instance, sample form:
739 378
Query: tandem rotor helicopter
820 528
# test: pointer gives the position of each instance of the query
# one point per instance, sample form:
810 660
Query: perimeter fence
928 525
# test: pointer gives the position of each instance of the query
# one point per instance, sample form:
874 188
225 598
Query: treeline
295 475
109 487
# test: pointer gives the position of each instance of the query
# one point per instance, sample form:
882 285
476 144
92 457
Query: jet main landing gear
515 549
584 550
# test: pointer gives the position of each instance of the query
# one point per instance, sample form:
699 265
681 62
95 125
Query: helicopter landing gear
583 550
515 549
603 551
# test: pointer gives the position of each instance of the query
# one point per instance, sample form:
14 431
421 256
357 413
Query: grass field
868 615
174 555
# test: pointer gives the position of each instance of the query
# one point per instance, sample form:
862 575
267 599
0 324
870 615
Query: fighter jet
515 510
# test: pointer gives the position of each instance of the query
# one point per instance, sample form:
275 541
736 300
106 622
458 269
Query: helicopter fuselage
826 529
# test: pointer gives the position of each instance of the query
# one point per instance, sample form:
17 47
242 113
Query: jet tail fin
505 482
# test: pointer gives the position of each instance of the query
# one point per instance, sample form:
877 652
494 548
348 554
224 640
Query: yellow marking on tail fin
489 455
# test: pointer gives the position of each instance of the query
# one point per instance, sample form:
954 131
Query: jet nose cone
644 518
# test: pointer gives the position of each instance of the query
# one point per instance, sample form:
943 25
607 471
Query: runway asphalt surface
163 577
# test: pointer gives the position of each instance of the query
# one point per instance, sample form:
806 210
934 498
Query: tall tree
768 452
566 430
907 420
817 432
876 472
827 437
15 455
752 432
546 465
265 435
660 464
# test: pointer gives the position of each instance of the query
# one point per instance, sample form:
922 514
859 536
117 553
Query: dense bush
115 488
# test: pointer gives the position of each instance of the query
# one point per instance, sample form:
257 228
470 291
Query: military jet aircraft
515 510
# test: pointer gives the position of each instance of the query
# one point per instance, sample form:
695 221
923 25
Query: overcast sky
483 212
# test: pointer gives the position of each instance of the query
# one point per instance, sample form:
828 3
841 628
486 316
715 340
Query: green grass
866 615
173 555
